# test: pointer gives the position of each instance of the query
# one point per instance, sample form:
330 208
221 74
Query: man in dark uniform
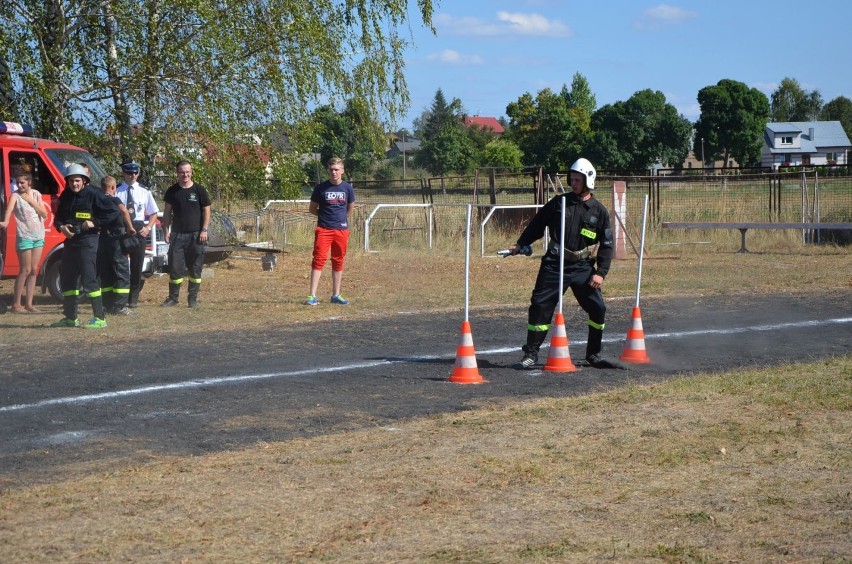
186 218
143 211
81 212
588 255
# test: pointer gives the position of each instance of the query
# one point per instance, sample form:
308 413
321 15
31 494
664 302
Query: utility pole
403 159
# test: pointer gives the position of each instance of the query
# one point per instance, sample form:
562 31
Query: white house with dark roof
806 143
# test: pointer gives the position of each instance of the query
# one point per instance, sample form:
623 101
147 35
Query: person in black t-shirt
186 219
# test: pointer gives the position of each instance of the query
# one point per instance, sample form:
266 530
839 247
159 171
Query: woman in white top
30 213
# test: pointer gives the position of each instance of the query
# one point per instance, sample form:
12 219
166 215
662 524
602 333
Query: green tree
479 137
639 132
790 102
580 98
733 118
501 153
353 135
839 109
551 129
548 131
204 71
445 143
8 102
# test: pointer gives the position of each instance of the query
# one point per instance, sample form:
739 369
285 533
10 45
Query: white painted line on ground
190 384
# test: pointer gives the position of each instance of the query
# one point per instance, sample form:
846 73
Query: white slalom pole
641 249
467 264
562 255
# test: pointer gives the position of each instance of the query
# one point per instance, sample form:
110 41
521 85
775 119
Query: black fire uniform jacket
587 224
80 254
88 204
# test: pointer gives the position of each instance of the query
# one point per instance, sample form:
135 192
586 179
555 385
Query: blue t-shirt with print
333 204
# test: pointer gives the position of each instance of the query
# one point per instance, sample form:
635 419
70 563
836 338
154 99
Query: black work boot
133 300
593 345
192 294
174 296
593 351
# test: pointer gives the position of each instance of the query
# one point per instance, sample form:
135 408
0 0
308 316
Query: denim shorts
29 244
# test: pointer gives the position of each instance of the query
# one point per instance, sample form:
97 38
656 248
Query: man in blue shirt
331 202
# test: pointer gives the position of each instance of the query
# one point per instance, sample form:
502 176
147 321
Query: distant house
694 161
804 143
485 123
401 144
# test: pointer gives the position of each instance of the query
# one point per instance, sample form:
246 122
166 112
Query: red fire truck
46 161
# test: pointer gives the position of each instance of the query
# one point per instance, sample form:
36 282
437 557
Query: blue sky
488 53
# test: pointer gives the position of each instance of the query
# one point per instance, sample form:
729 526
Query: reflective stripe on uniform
177 281
594 325
195 280
71 293
96 294
532 327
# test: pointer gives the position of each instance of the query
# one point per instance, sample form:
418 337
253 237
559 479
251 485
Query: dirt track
229 390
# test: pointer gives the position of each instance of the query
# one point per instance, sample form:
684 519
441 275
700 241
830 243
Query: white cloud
506 24
662 16
533 24
765 87
455 58
690 111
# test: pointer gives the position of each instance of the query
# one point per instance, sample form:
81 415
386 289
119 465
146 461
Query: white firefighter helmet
75 169
584 167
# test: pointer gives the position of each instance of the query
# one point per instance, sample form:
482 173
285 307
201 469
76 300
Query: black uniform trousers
137 261
80 262
545 298
186 253
114 272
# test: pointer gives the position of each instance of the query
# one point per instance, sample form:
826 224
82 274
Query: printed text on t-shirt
335 197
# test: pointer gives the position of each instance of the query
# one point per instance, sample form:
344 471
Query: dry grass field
750 466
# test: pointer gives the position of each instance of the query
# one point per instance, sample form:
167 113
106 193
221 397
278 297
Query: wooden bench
399 225
744 227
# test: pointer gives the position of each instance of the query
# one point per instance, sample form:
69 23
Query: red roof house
484 123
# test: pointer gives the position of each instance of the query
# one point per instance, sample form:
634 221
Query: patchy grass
749 466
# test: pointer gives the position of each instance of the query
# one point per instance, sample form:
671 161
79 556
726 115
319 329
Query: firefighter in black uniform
81 212
588 254
113 264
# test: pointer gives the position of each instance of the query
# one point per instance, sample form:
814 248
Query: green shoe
65 322
95 323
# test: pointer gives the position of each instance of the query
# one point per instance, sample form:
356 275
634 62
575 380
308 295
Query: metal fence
778 197
791 196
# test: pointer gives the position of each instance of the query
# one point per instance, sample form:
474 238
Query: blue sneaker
338 299
312 300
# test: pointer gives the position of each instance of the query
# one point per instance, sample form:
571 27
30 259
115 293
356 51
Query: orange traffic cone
465 370
634 349
558 358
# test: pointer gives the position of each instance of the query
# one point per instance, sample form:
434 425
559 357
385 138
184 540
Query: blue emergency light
16 128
